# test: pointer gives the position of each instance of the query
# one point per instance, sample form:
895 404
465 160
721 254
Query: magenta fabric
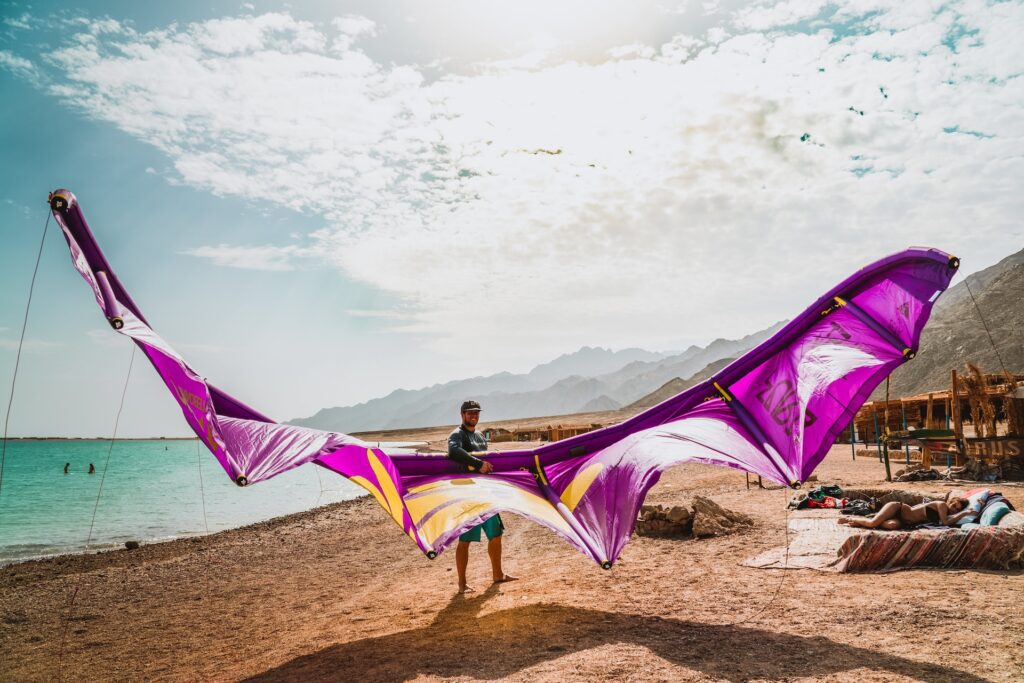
773 412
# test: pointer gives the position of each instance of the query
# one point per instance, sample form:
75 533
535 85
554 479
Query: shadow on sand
459 642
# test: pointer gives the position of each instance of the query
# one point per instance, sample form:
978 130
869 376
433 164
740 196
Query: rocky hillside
955 335
588 380
674 386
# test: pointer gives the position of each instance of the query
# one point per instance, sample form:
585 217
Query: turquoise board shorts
492 527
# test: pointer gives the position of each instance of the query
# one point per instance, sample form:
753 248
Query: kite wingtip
241 480
606 565
431 555
954 262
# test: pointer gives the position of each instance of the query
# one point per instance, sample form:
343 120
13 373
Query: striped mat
821 543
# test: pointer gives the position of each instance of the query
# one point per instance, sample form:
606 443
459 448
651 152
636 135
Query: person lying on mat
897 515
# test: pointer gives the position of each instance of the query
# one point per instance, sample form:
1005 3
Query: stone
678 514
657 521
711 519
131 545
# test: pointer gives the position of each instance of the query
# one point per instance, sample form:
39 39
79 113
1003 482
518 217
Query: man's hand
486 468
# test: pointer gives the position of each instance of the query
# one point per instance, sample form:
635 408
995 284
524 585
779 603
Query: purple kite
773 412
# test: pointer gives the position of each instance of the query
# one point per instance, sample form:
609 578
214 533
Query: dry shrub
1013 407
983 410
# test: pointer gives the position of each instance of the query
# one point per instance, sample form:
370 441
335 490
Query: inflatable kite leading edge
773 412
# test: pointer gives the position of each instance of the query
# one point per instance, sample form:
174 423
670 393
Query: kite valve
58 202
116 322
241 480
431 555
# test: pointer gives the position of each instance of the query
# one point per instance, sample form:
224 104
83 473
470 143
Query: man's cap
470 405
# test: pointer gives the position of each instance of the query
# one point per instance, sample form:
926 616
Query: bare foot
466 589
505 578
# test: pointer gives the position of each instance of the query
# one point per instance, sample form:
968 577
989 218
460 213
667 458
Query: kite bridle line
987 331
21 342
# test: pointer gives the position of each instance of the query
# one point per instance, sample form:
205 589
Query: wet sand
339 593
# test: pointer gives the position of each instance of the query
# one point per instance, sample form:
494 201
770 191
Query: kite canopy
773 412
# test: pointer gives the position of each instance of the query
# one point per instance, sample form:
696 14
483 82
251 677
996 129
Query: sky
318 203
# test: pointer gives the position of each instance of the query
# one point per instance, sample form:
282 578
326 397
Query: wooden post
958 423
853 437
929 420
878 441
906 444
885 439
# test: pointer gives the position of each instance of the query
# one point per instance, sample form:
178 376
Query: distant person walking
67 466
92 468
462 442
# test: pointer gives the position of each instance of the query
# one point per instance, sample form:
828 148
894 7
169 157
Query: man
462 443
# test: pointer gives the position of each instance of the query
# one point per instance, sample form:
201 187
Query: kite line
92 523
21 342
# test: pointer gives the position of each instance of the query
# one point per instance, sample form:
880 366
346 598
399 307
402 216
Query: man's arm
460 455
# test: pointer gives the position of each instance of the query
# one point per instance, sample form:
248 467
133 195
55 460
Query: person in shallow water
462 443
92 468
67 466
897 515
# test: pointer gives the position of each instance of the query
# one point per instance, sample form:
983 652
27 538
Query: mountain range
984 329
588 380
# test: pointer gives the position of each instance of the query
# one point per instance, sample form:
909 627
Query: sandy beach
339 593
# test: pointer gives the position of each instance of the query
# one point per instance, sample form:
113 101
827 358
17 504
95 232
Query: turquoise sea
151 492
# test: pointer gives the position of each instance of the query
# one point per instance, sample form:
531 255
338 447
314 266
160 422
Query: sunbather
897 515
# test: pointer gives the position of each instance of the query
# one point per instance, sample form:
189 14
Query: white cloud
19 66
770 14
29 345
23 21
632 50
266 257
368 313
685 190
350 28
106 337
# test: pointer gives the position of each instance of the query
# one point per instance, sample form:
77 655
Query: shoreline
340 588
111 547
176 543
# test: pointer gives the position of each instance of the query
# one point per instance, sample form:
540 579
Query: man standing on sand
461 444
